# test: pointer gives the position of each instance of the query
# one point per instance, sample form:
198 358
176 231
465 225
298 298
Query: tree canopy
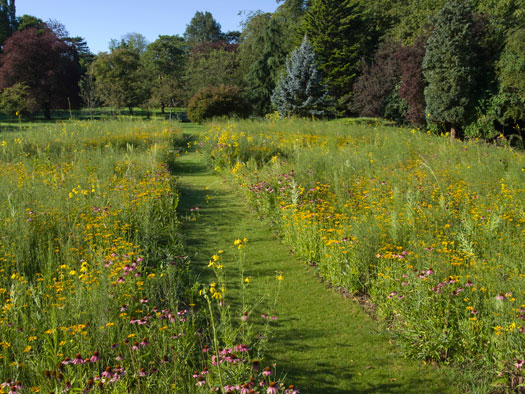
47 65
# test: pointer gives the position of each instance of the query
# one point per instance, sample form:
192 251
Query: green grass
323 341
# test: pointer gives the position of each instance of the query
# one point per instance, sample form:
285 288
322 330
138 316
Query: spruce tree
263 73
336 32
300 91
449 66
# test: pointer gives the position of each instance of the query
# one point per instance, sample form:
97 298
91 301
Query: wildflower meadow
430 230
97 294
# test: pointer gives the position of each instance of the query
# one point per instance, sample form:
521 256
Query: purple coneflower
78 360
267 371
273 388
95 357
500 296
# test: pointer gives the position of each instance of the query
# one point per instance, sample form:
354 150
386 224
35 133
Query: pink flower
267 372
273 388
519 363
78 360
95 357
500 296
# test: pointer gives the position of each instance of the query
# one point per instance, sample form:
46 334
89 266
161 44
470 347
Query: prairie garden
100 293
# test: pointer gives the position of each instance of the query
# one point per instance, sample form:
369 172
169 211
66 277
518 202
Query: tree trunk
130 110
162 106
47 112
452 133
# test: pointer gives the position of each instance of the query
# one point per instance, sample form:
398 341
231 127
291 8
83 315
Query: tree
132 41
29 21
212 64
300 91
16 99
46 64
377 82
8 21
88 92
336 31
119 77
412 87
449 66
164 62
201 28
264 71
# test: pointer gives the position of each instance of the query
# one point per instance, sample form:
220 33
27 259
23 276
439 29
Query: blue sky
98 21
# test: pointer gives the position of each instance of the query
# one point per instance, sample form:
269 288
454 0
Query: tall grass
96 291
432 230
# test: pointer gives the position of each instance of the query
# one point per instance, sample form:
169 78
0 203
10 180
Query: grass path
324 342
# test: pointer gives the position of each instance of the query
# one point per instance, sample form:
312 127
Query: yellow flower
247 279
27 349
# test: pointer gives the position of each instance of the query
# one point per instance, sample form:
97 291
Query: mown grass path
325 343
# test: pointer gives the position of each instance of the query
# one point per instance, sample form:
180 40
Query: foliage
221 100
202 27
88 91
15 100
428 229
300 91
133 41
118 78
377 81
449 66
29 21
164 62
212 64
512 76
412 87
263 73
335 29
8 21
46 64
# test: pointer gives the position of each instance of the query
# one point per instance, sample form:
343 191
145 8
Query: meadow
428 230
97 293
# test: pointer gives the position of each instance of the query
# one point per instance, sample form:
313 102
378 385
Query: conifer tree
263 73
300 90
336 32
8 21
449 66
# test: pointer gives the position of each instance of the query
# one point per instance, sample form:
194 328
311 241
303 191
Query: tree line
452 65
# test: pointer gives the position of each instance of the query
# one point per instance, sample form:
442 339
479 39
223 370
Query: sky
98 21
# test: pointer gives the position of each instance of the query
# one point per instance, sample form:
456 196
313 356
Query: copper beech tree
47 65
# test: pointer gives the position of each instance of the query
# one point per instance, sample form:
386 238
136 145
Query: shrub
222 100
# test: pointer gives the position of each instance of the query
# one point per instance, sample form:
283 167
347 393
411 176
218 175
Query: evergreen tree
8 21
449 66
202 27
263 73
336 32
300 91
